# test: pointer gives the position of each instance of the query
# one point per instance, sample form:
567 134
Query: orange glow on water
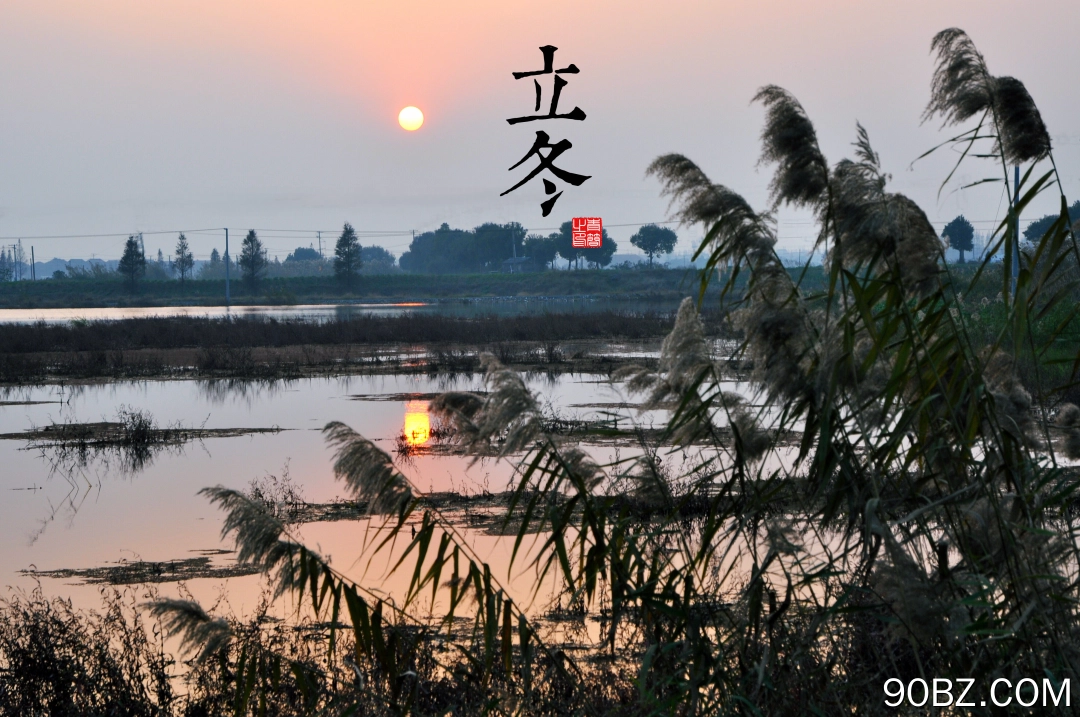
417 427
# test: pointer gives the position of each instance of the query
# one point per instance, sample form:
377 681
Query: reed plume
963 88
368 471
790 141
199 633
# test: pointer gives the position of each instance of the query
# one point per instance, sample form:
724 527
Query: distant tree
133 263
564 244
961 235
7 266
601 256
377 259
184 261
1040 226
541 249
653 240
18 259
460 251
213 269
59 274
347 261
442 251
492 243
252 259
304 253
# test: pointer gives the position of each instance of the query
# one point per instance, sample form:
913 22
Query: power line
103 236
368 233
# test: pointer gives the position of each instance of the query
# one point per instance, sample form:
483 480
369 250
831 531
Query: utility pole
227 267
33 269
320 246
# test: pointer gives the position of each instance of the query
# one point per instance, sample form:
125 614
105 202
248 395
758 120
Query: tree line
960 234
252 261
442 251
486 247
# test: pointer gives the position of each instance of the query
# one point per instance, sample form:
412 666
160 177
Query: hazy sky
127 115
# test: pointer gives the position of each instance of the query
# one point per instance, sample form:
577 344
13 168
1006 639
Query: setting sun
417 429
410 118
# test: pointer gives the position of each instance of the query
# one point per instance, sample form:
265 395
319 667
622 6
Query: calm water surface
56 517
507 306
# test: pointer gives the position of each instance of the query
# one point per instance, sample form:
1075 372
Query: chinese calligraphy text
543 139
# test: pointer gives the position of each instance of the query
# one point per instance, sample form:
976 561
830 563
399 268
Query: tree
542 250
7 266
564 241
449 251
376 259
184 260
564 244
132 263
215 256
601 256
1034 231
347 260
18 259
303 253
252 259
653 240
492 243
960 234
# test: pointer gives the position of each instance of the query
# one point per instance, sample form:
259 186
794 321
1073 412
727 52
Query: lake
65 514
502 306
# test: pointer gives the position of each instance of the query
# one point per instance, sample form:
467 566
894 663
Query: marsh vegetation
251 348
891 495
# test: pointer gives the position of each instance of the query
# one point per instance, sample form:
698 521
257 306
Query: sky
118 116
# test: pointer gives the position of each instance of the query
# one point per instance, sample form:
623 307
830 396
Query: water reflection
417 429
222 391
320 313
57 513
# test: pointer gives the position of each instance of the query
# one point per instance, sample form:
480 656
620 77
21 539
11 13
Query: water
58 516
503 306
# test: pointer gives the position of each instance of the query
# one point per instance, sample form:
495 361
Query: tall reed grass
923 527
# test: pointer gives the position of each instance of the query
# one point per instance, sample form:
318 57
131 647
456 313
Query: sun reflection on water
417 429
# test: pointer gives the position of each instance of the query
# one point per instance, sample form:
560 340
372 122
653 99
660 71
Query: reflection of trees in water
72 502
84 466
81 454
220 391
49 393
450 381
74 459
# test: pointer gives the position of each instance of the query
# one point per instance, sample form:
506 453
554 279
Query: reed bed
922 528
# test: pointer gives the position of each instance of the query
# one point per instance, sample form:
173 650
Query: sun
417 429
410 118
